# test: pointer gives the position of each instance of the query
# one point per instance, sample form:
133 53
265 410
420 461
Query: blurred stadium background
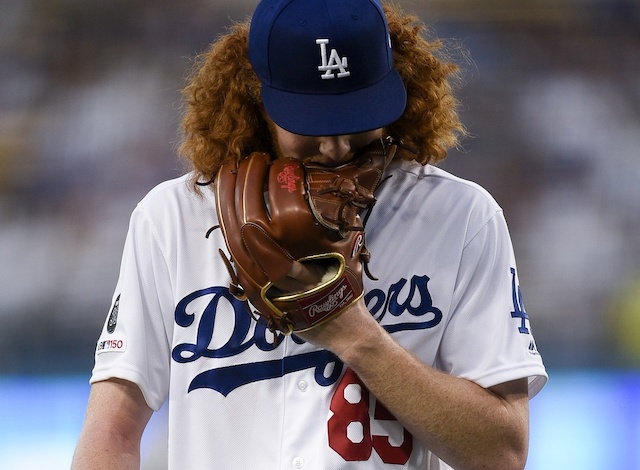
89 110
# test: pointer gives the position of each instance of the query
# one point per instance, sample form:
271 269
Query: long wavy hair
224 117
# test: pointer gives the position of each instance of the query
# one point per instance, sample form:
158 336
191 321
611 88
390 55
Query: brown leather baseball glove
274 213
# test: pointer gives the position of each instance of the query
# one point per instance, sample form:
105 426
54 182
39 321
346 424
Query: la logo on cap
301 49
333 64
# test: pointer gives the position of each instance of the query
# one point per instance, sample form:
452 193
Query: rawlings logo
316 307
288 178
357 244
330 304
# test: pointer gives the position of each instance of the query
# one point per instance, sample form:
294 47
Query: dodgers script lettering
242 332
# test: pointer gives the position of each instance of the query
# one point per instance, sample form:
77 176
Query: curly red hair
224 116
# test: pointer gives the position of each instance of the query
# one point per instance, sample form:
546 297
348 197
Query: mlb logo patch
116 343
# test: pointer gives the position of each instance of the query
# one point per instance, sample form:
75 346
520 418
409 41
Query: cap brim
357 111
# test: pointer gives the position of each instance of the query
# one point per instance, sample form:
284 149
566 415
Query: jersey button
298 462
303 385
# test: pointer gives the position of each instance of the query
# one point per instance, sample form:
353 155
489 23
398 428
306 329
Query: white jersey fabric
448 291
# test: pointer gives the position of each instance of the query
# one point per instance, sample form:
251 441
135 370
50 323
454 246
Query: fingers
302 277
307 273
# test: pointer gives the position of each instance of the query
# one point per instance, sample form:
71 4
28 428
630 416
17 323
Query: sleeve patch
116 343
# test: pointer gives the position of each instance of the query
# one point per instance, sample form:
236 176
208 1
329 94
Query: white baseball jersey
447 290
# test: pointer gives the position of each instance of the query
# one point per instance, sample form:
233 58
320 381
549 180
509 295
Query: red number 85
349 410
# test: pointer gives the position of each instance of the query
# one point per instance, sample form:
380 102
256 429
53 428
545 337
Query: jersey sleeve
488 337
134 343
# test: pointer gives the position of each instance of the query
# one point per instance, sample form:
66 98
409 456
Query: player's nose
336 148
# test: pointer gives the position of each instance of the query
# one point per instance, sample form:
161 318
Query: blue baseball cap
326 66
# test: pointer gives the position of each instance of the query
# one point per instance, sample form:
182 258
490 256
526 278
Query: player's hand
342 331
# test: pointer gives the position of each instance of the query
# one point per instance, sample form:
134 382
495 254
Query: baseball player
428 364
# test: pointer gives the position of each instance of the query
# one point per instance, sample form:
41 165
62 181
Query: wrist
363 344
346 334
